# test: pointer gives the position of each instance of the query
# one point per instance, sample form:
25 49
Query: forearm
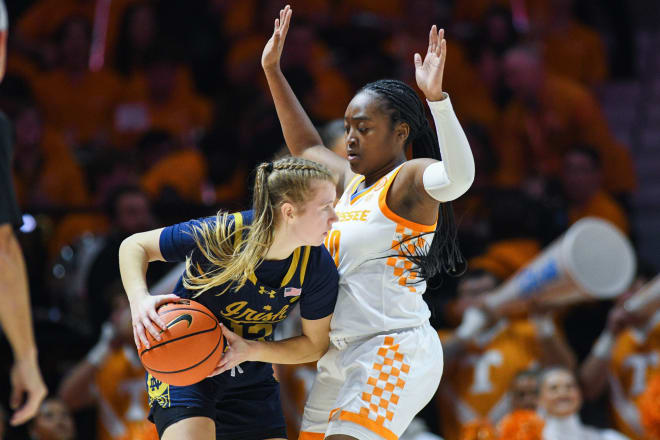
554 349
592 376
75 388
299 132
296 350
15 315
133 263
454 175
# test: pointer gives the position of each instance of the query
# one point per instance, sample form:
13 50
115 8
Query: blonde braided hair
233 259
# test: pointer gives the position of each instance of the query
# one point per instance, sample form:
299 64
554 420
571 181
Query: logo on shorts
158 391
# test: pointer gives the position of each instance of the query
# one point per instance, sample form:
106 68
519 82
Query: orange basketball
189 349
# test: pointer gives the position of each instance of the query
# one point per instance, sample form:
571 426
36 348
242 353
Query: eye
346 129
363 130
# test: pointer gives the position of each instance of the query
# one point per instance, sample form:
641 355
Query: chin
356 168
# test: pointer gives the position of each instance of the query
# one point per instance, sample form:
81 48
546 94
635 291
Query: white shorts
372 388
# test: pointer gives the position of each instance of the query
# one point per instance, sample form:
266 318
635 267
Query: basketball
190 347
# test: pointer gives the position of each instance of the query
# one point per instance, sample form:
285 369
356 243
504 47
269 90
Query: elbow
463 184
127 245
320 348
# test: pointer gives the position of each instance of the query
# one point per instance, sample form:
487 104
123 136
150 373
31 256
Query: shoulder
320 263
243 217
319 257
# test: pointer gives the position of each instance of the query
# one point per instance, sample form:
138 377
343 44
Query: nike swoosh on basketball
180 318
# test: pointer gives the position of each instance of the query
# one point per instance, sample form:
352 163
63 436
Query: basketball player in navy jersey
250 269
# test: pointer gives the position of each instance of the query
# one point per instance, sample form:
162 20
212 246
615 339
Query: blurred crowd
132 114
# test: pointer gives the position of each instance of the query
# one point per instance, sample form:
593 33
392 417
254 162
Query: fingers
150 327
16 395
168 299
442 46
437 41
139 329
229 335
30 408
286 21
418 61
136 339
153 315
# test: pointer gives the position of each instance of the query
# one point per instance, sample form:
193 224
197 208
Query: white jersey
379 290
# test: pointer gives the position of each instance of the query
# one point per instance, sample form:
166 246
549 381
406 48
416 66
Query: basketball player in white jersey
394 232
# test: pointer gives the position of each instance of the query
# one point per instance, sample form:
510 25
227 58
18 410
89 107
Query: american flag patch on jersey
292 291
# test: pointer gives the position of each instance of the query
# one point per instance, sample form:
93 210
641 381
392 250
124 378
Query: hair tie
269 167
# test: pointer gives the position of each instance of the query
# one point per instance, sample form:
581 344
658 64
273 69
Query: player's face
53 422
314 219
371 142
560 396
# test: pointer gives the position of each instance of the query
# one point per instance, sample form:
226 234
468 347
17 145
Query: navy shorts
244 407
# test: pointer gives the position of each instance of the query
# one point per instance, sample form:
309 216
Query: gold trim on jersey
238 229
303 265
238 238
292 268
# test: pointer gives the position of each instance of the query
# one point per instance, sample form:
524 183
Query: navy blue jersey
308 275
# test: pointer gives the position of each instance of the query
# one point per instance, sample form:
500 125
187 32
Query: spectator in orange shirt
548 115
45 173
162 98
111 377
582 183
137 35
42 20
75 100
172 173
572 49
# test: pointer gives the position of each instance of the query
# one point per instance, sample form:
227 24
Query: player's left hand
239 350
428 72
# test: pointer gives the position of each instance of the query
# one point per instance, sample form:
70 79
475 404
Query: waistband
341 342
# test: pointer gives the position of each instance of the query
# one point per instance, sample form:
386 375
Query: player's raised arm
449 179
300 135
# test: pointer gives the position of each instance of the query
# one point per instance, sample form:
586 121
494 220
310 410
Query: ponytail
234 250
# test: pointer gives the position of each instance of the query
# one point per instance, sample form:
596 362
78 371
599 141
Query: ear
402 132
288 211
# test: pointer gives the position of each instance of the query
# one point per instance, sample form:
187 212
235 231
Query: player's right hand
273 51
145 317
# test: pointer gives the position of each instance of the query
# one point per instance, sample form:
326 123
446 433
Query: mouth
352 156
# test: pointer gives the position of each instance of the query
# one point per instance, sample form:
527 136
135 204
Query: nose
350 138
333 218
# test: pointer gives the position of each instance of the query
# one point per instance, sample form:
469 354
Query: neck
283 244
374 176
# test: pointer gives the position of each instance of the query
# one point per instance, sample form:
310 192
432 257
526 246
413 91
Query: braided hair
233 259
402 104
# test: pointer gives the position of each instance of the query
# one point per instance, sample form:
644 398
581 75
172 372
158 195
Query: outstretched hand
428 72
273 51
